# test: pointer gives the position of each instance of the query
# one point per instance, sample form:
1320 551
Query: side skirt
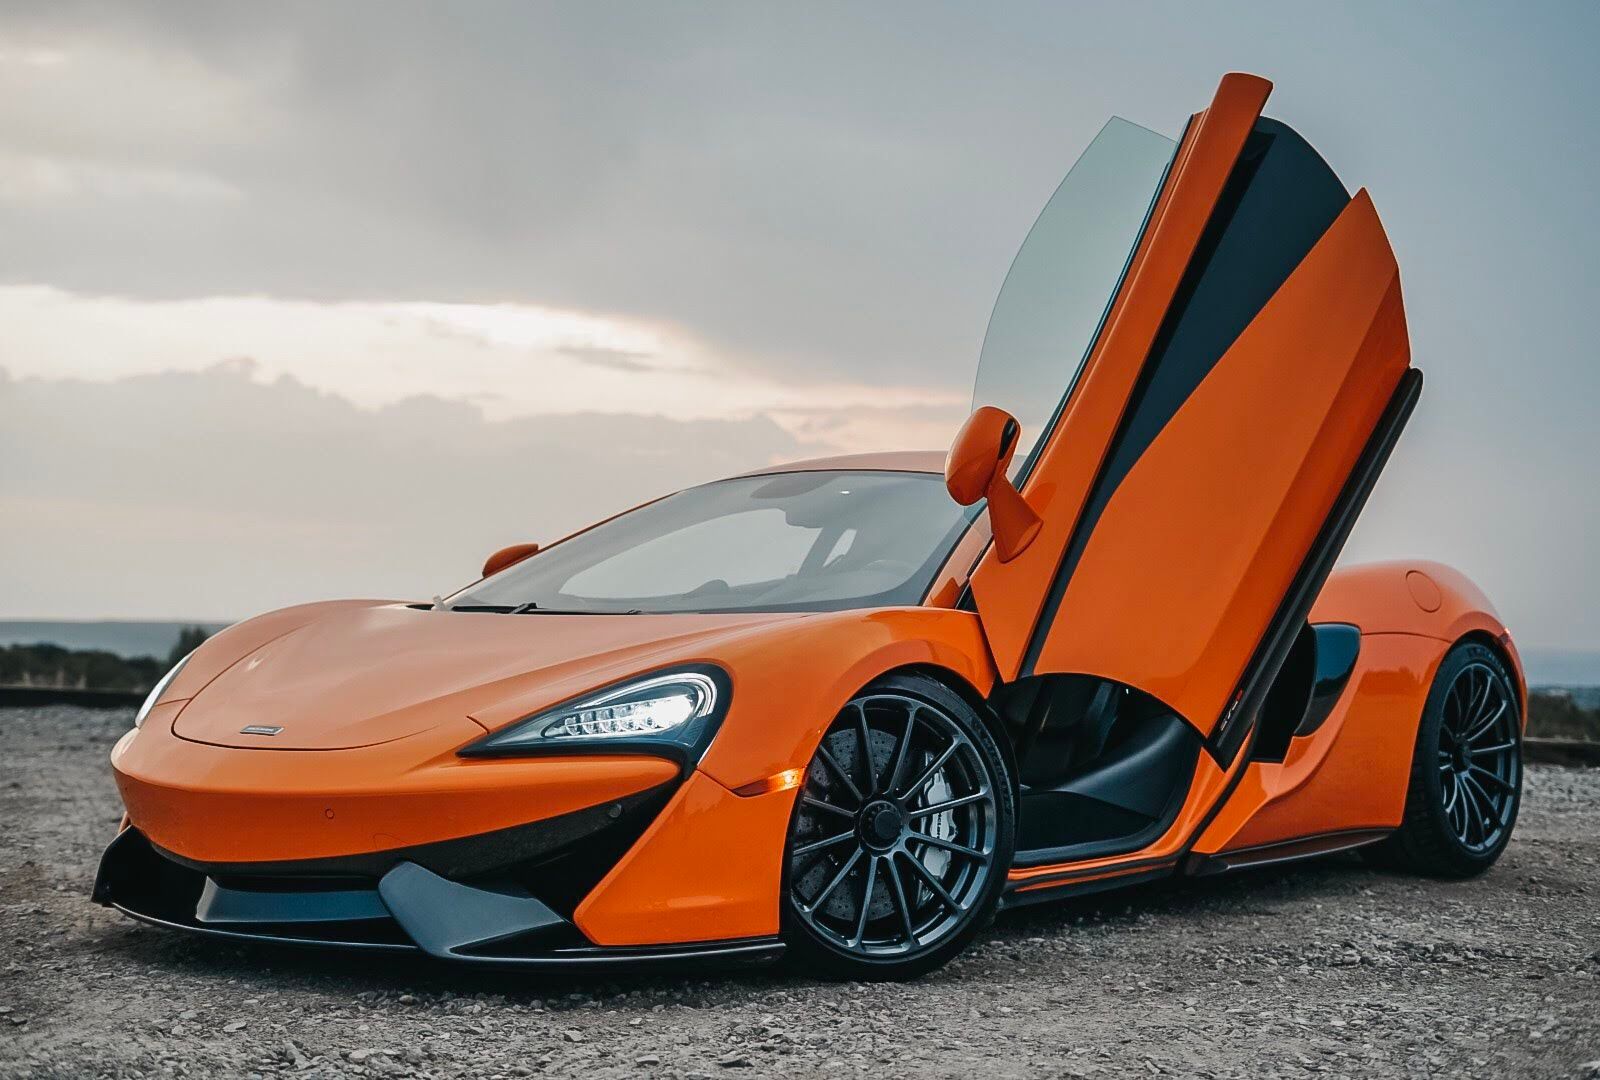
1083 882
1282 851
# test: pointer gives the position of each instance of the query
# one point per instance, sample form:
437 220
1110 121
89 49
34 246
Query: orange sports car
847 709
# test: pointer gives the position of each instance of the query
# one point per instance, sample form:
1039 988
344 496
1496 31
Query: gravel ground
1327 967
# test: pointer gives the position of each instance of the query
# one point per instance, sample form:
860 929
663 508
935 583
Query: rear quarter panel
1352 773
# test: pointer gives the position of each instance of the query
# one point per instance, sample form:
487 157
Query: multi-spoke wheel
1466 771
902 833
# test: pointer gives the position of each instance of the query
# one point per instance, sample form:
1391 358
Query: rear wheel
901 836
1466 771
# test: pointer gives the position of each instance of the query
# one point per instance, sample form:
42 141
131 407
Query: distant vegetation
1562 714
90 669
1553 713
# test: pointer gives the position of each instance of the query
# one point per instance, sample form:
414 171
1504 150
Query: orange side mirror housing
976 469
508 556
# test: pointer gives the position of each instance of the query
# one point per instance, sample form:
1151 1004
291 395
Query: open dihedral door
1200 474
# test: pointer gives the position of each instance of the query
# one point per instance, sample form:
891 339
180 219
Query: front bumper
629 850
408 908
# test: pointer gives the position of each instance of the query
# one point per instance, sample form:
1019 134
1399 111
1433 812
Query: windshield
1064 277
802 541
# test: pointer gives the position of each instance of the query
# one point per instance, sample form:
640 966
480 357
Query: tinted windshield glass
804 541
1049 310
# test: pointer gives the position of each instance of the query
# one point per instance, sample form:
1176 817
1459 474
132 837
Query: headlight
674 712
157 690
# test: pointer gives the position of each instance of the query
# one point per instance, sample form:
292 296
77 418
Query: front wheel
1466 771
902 833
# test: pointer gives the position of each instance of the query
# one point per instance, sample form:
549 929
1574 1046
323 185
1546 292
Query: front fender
788 688
711 865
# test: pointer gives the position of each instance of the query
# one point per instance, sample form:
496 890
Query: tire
878 885
1463 797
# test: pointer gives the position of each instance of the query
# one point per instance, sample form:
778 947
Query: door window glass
1064 277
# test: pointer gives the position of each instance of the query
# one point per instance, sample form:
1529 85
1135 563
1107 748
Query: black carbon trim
1279 200
580 958
448 919
1338 649
1282 851
419 913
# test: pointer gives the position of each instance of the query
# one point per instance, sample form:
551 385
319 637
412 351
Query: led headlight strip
673 712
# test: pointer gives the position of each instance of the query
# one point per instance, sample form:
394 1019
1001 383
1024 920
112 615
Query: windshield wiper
532 608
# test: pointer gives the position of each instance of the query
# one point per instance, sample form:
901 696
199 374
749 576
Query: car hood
360 676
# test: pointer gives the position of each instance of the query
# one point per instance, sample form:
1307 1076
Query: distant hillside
46 666
121 638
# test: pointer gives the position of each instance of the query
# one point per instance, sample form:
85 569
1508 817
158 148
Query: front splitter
746 951
408 910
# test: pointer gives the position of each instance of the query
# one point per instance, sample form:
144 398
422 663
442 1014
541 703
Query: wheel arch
953 681
1501 646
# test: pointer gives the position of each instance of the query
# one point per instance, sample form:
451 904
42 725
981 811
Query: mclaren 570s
847 709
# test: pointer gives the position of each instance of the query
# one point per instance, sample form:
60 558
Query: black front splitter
751 951
410 909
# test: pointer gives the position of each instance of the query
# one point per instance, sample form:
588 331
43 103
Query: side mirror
507 556
976 469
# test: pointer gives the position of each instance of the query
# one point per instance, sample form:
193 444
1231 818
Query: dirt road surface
1325 968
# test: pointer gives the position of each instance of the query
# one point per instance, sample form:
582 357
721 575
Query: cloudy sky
332 299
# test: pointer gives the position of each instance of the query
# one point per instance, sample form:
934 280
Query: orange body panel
1351 773
1389 597
226 804
708 869
221 805
1215 519
229 645
783 699
1010 594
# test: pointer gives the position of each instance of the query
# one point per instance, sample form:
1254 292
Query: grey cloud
212 495
817 188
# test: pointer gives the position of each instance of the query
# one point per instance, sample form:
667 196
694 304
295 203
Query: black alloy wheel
901 836
1466 770
1479 757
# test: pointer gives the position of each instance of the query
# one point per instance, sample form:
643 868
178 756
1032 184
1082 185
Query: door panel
1249 357
1202 537
1009 595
